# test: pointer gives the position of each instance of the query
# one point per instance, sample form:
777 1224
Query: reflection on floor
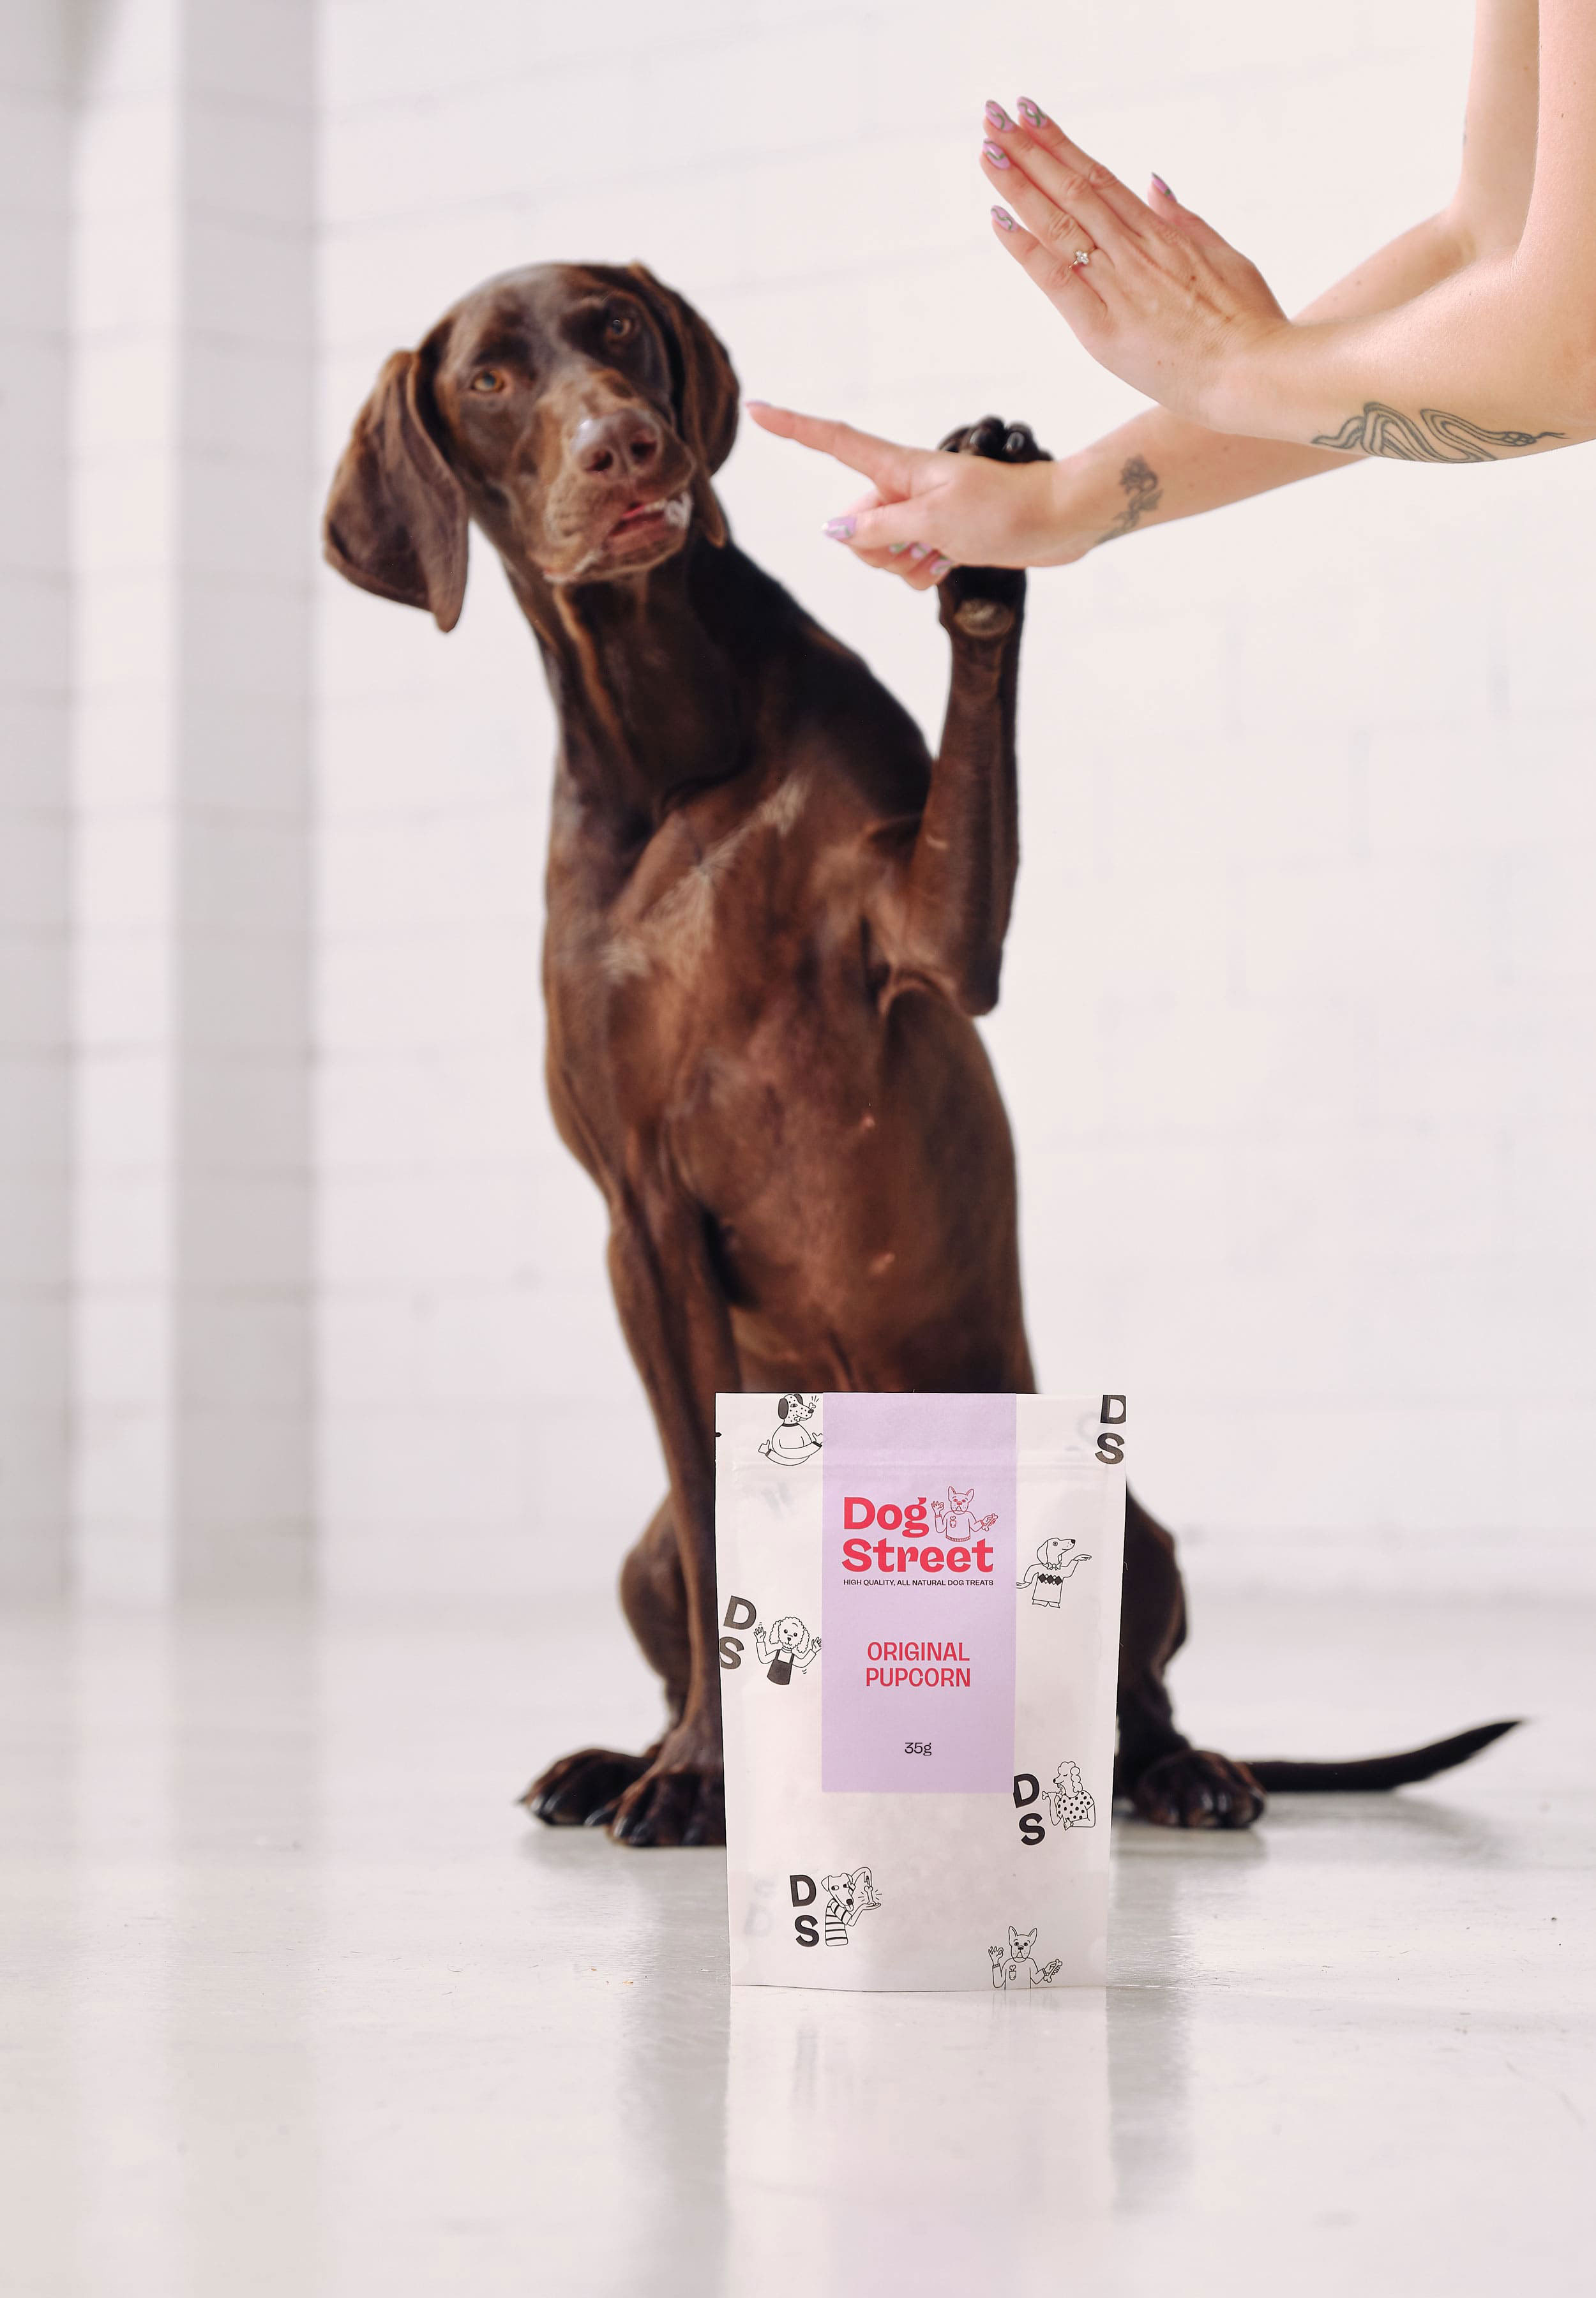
300 2004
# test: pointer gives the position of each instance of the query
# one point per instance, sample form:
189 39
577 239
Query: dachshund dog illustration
1052 1568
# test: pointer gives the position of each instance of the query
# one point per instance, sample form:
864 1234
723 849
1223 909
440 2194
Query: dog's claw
591 1782
1194 1787
671 1807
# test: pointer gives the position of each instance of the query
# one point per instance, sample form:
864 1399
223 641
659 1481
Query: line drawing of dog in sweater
792 1440
1016 1966
1047 1576
1069 1801
954 1521
787 1645
848 1898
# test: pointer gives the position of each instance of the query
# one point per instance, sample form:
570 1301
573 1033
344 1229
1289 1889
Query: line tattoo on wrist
1433 436
1143 492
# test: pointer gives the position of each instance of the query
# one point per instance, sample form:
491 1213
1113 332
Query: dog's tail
1372 1773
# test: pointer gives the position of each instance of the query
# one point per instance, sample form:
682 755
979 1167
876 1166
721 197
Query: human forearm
1485 364
1160 466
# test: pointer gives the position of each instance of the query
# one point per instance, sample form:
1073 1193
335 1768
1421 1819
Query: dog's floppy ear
395 520
704 386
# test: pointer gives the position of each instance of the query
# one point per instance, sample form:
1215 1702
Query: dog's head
1021 1943
575 411
1053 1552
848 1892
790 1634
793 1408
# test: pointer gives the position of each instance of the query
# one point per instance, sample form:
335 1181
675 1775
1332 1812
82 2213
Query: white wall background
34 737
1299 1000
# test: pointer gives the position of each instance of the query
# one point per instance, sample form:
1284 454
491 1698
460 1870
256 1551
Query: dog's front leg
947 905
674 1317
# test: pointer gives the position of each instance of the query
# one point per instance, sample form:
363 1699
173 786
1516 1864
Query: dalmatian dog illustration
1069 1802
1047 1576
793 1441
848 1898
787 1646
1016 1966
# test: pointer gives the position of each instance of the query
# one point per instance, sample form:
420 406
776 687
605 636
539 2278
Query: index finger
889 466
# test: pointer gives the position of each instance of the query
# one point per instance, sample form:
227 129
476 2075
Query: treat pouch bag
919 1601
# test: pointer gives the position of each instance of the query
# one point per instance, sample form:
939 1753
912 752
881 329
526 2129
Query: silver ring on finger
1080 259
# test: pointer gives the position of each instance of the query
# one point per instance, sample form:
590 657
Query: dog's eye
619 326
488 379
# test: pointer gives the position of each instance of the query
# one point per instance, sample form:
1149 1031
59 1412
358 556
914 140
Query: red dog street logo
958 1544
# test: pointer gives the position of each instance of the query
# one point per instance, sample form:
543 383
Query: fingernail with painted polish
896 550
997 155
939 567
919 549
755 403
1032 113
839 529
1159 185
996 117
1004 220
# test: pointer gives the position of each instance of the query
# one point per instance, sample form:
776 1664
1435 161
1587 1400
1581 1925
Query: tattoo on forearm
1434 437
1143 493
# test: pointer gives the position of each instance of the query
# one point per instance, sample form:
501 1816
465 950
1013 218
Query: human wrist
1248 393
1075 503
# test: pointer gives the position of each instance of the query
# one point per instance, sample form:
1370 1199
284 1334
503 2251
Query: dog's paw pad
984 618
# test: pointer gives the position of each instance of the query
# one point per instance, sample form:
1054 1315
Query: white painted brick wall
192 519
1299 1001
34 735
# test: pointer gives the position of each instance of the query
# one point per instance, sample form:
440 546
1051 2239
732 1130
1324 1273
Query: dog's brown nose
616 446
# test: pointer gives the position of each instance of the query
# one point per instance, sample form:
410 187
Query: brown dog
772 917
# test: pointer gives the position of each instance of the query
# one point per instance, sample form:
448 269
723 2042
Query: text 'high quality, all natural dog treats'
919 1612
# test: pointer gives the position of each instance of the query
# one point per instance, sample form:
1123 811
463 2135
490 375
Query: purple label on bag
918 1594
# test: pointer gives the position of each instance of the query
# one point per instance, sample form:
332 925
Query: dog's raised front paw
668 1807
1194 1787
579 1788
997 441
983 601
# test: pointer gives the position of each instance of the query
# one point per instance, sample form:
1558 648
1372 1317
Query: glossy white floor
297 2004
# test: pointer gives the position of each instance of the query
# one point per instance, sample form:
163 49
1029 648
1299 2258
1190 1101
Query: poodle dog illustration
1015 1966
787 1645
793 1440
848 1898
1069 1802
1052 1568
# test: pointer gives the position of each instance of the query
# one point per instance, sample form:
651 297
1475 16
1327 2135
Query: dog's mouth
638 535
642 524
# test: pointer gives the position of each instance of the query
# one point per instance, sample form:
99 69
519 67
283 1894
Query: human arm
1498 357
1158 467
1162 466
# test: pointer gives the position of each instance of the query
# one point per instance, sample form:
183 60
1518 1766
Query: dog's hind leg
583 1790
1170 1782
